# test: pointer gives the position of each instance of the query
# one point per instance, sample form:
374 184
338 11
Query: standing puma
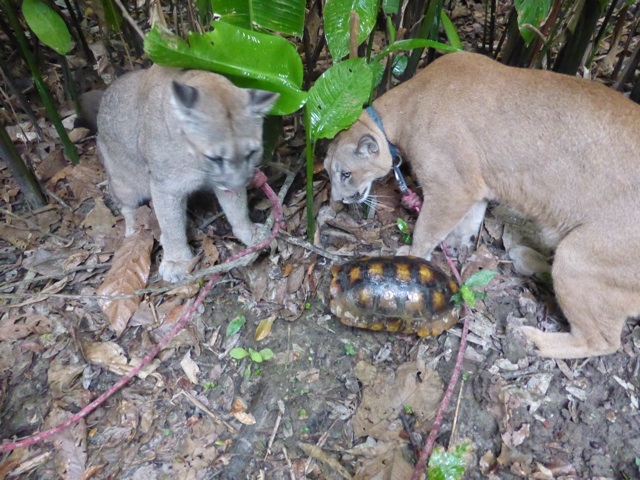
563 151
164 133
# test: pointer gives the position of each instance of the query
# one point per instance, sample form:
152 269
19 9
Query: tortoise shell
394 294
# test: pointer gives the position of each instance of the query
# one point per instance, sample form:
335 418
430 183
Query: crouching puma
164 133
563 151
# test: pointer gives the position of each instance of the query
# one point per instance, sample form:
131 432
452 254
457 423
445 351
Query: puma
563 151
164 133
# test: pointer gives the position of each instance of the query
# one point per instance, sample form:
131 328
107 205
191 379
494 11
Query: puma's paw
175 270
253 234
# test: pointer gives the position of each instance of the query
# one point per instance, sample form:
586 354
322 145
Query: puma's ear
184 95
367 146
261 101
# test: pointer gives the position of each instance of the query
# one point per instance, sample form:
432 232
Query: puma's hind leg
596 285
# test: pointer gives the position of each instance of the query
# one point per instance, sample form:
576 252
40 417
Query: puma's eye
346 175
251 154
215 158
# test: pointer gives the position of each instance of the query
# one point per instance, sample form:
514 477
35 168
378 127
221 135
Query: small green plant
256 356
407 409
210 385
404 229
467 294
448 465
350 349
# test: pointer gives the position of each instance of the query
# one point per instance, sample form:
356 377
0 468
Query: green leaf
445 465
284 16
468 296
390 7
336 99
266 354
238 353
479 279
48 26
112 15
250 59
402 225
235 325
456 299
450 31
531 12
336 23
400 65
247 372
414 43
255 356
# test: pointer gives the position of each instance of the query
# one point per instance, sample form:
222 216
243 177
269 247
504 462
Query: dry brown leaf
390 464
50 165
211 252
130 272
105 354
264 328
319 454
21 326
244 418
70 445
411 385
100 221
238 405
190 368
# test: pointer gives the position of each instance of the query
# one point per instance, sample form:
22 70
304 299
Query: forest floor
333 401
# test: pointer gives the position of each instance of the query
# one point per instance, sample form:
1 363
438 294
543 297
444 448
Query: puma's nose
355 198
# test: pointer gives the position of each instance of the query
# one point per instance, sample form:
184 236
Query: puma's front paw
252 235
175 270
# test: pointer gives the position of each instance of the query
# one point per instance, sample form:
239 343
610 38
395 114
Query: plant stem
310 149
52 113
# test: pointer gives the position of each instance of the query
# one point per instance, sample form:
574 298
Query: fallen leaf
190 368
129 273
264 328
411 385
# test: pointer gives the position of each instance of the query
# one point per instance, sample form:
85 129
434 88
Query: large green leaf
250 59
48 26
336 99
336 23
531 12
284 16
414 43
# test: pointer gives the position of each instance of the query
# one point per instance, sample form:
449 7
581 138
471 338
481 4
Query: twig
35 226
455 415
53 276
275 428
310 246
128 18
217 420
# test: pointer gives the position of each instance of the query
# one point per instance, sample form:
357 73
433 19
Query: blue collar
395 155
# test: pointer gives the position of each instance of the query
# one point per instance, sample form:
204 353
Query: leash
410 199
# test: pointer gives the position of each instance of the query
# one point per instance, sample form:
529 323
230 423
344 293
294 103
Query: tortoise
395 294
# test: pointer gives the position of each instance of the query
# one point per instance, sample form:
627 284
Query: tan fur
563 151
164 133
